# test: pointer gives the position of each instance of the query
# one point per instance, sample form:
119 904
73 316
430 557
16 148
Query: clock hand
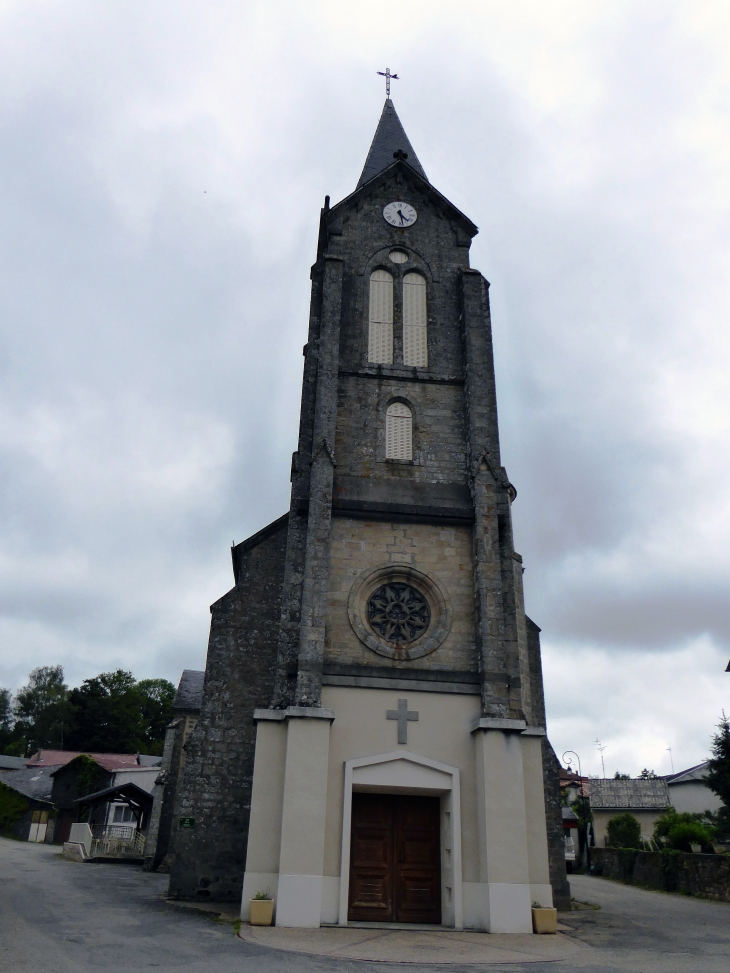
402 217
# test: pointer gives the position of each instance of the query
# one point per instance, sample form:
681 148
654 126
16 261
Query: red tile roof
59 758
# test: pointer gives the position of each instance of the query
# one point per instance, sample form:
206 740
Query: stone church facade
371 743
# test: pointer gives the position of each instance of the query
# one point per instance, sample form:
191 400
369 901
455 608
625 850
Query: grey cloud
157 221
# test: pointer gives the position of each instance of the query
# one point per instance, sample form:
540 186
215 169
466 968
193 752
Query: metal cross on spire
387 75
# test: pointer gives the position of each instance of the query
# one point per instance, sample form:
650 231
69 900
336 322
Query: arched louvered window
415 321
380 337
398 432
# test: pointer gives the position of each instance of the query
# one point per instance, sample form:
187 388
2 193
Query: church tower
371 745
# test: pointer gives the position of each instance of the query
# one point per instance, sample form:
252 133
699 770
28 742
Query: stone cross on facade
404 717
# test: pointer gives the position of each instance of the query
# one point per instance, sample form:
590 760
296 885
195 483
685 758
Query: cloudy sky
162 167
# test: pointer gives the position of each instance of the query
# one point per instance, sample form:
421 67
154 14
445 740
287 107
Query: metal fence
116 841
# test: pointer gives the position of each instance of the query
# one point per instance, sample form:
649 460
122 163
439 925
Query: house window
380 338
122 814
415 321
398 432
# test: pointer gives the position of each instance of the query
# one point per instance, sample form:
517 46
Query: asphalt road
61 917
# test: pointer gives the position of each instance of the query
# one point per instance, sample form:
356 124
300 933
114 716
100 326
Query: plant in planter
261 909
544 920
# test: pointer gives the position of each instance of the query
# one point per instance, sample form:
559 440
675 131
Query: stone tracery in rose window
398 612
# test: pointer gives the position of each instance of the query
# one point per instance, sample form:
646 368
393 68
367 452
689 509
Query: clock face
400 214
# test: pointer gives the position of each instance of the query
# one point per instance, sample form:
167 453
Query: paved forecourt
61 917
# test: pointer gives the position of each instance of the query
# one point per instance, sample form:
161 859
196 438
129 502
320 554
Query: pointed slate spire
390 137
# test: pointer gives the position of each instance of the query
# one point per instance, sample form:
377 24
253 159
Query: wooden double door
395 859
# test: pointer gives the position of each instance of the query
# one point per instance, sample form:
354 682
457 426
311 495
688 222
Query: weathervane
387 75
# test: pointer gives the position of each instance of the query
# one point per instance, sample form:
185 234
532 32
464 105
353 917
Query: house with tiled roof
59 758
85 773
647 800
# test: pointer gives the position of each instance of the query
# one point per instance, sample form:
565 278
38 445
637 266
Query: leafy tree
648 775
619 776
672 829
156 697
582 808
624 831
107 714
718 776
683 834
41 709
12 807
6 718
113 713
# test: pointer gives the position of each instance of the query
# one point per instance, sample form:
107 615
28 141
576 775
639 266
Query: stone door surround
401 772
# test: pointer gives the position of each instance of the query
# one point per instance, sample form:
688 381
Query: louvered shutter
415 321
380 338
398 432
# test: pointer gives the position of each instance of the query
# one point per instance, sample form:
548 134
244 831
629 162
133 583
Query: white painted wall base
499 907
254 882
509 908
300 901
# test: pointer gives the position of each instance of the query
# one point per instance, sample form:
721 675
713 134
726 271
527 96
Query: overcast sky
162 166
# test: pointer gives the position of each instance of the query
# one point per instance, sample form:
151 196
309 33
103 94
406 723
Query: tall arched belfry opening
371 744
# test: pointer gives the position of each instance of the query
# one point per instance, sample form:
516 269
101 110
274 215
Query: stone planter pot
262 912
696 849
545 921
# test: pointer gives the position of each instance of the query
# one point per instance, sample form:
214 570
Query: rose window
398 613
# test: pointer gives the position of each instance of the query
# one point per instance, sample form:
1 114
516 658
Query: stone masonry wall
442 553
706 875
209 859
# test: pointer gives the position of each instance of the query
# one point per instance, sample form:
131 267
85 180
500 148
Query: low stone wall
672 871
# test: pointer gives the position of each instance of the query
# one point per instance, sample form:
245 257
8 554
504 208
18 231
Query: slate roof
11 763
189 693
389 137
632 794
569 814
33 782
692 775
132 791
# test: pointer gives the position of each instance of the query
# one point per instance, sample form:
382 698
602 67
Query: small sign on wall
187 822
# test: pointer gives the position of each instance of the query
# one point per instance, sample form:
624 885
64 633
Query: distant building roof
33 782
693 774
130 792
59 758
11 763
635 794
148 760
569 814
189 693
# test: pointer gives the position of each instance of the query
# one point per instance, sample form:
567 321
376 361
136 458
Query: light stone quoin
385 606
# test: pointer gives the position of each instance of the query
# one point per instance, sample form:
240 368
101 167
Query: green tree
718 776
41 709
683 834
624 831
12 808
619 776
156 697
647 775
107 714
6 718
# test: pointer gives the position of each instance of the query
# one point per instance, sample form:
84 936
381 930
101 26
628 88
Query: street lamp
568 760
